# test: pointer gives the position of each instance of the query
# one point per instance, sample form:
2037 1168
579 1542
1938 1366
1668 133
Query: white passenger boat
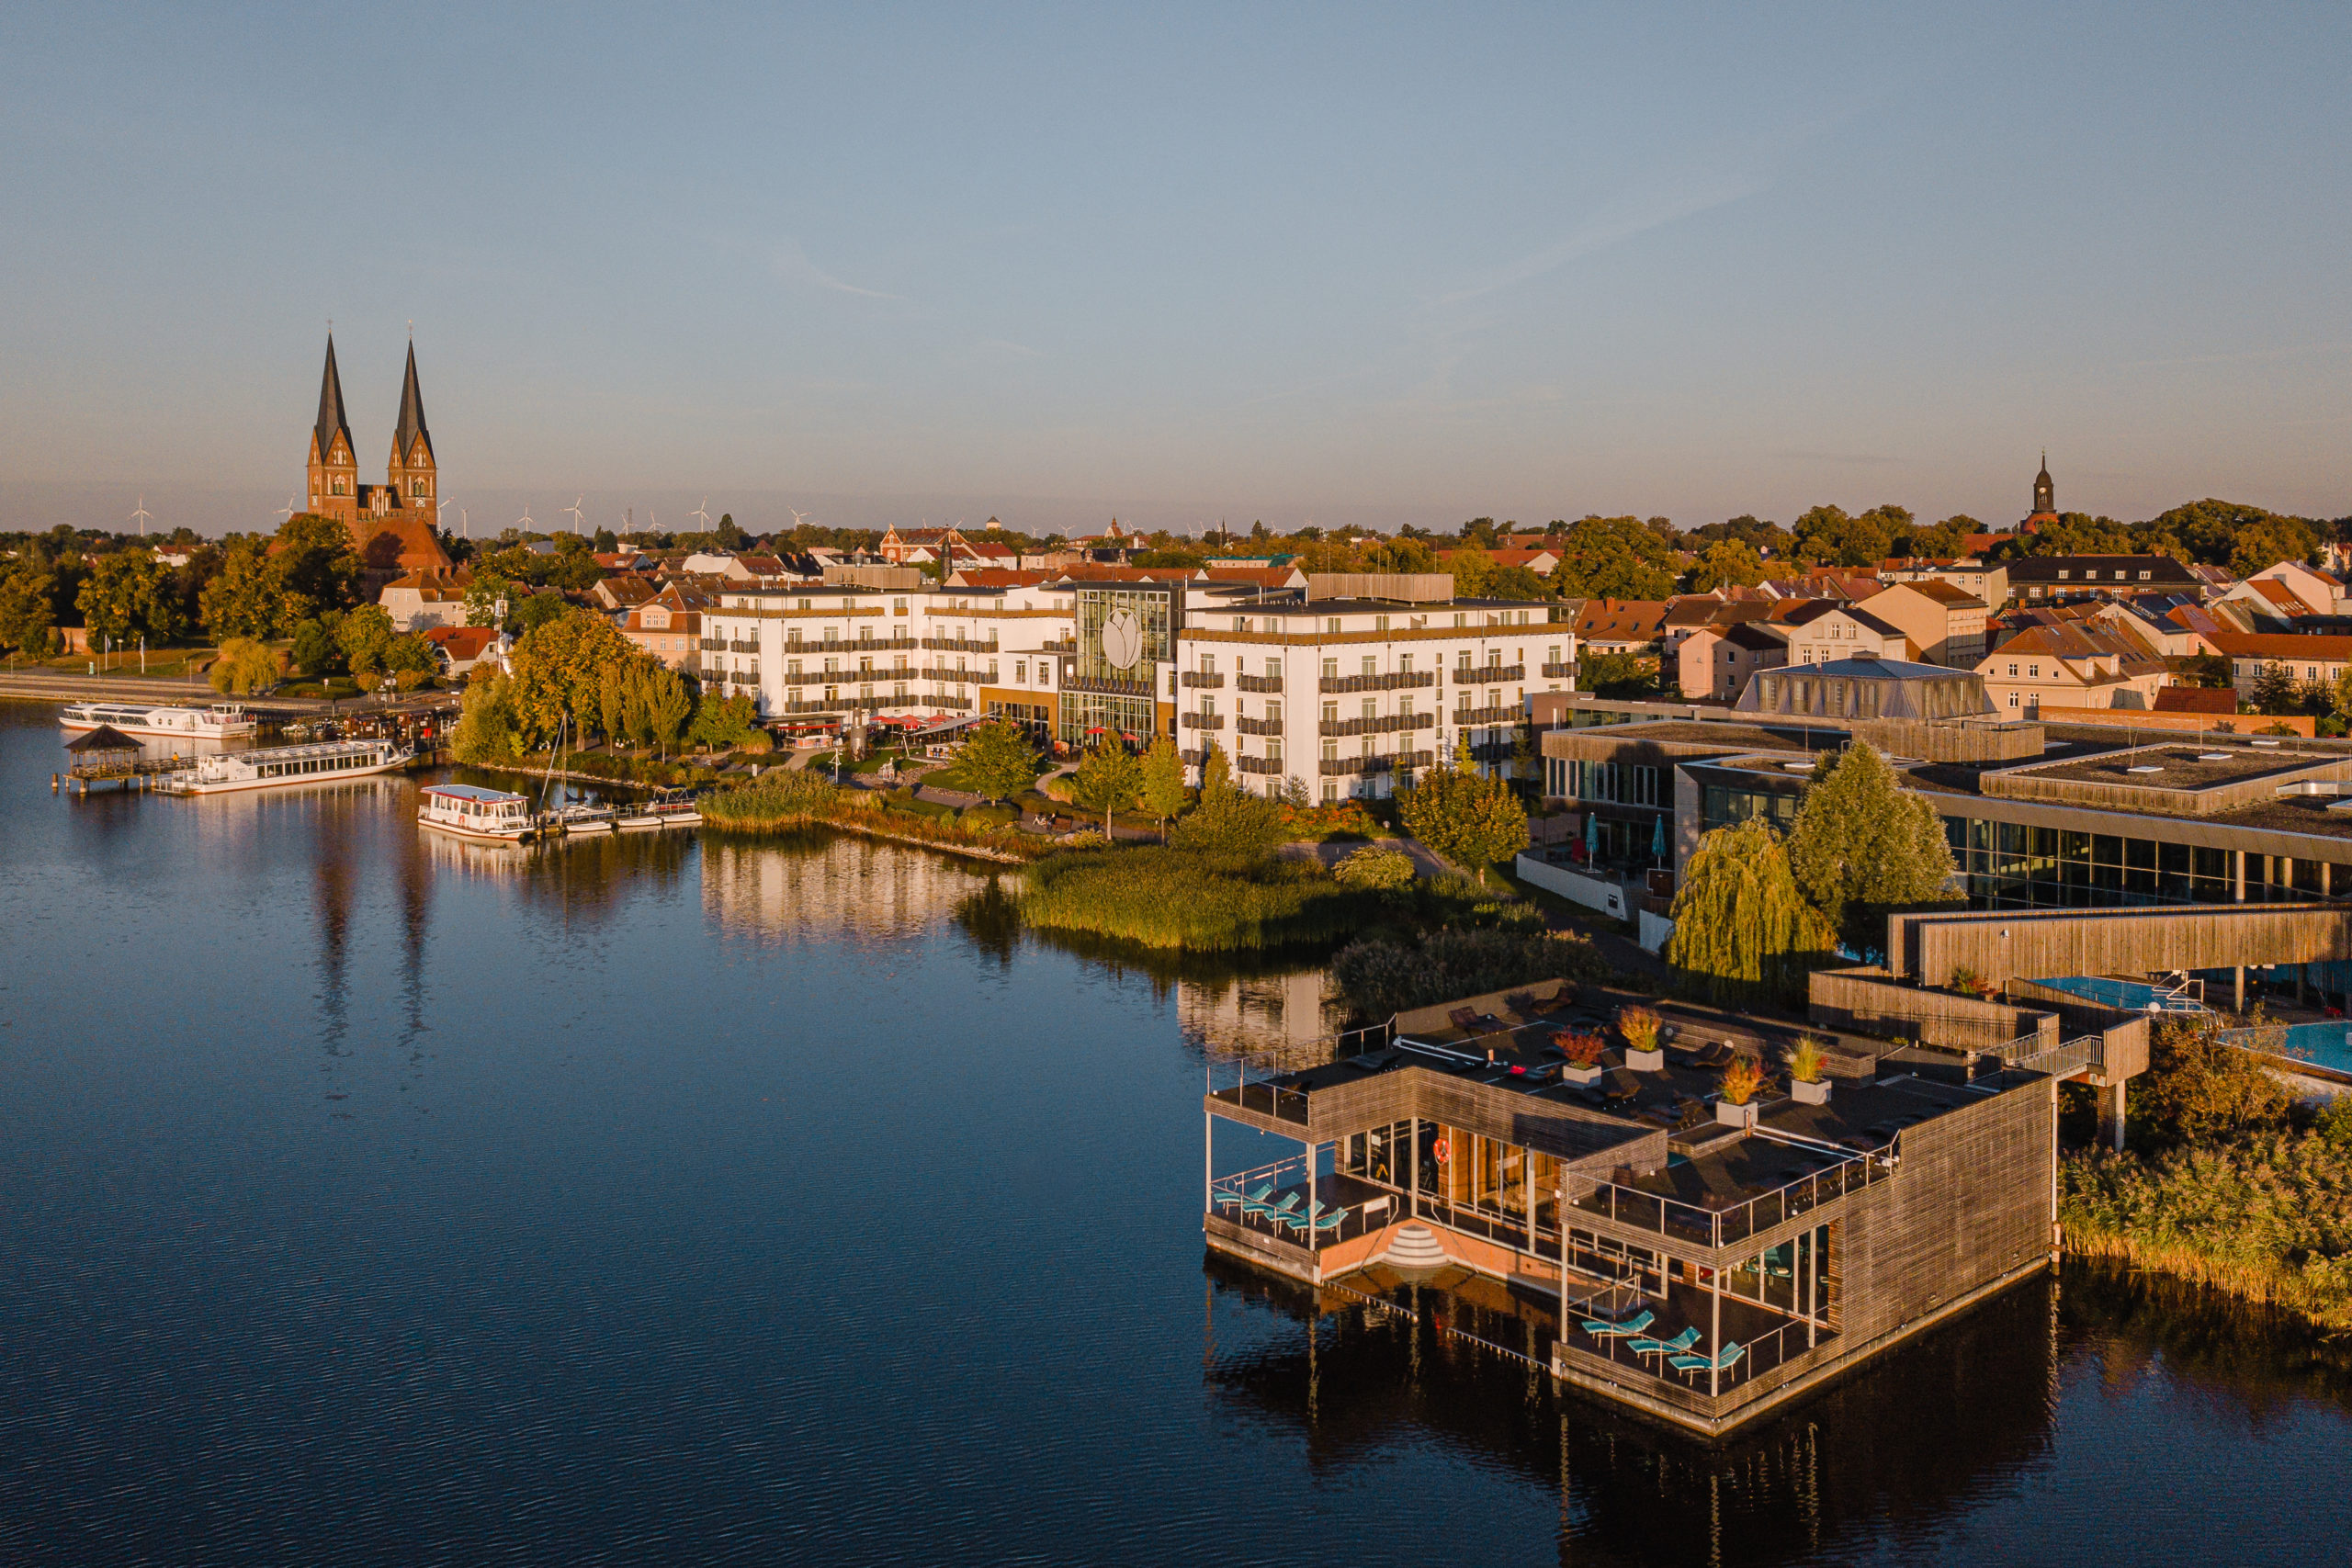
668 808
276 766
473 812
221 721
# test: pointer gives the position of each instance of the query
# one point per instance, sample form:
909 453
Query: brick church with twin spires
391 523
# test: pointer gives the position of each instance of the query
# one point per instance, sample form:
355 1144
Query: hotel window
1273 669
1404 665
1241 624
1379 623
1371 666
1208 663
1020 671
1332 626
1461 620
1330 669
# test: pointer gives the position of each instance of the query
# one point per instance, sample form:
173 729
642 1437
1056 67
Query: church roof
331 417
412 424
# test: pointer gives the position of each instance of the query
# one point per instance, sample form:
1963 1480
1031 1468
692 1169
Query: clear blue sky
1185 261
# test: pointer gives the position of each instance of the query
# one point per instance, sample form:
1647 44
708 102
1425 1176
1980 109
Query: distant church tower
334 467
2045 495
410 473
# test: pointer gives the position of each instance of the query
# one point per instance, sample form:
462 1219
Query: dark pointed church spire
412 424
331 418
2045 494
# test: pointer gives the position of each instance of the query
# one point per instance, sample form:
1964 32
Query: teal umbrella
1591 836
1658 841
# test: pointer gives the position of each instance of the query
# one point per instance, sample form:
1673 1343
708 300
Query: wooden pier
106 755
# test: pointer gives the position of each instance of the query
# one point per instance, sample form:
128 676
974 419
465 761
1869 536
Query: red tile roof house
459 649
667 630
1620 625
430 598
2307 658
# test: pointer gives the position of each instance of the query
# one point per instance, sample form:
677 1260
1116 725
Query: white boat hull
480 835
232 787
151 727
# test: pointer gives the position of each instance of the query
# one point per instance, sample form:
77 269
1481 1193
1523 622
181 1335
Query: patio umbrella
1658 841
1591 836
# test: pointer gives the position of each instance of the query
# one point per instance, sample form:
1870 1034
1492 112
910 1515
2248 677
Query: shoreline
866 829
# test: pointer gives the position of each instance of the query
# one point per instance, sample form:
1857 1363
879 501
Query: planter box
1810 1093
1576 1075
1652 1061
1732 1115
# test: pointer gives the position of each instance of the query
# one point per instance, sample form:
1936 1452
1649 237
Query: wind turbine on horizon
578 516
140 516
799 517
703 512
285 513
524 521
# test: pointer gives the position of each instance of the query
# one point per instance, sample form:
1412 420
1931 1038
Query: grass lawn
163 665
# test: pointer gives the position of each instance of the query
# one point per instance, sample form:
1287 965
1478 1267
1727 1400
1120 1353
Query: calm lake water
366 1198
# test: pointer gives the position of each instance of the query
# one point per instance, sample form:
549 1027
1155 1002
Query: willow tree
1742 931
1862 844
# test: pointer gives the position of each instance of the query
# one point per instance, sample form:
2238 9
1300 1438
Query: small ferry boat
221 721
668 808
473 812
276 766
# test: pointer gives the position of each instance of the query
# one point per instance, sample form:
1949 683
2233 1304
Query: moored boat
474 812
221 721
277 766
668 808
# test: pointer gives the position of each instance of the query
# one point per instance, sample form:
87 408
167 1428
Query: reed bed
1160 897
2266 1218
781 800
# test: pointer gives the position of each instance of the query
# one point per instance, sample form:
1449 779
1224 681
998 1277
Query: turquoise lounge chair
1332 1221
1259 1205
1299 1222
1281 1213
1674 1347
1723 1361
1235 1195
1626 1329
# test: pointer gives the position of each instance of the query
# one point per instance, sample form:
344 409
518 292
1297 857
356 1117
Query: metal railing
1203 720
851 644
1258 682
1764 1354
962 645
1268 1099
1244 724
1266 765
1472 717
1229 1195
1386 724
1558 672
2075 1056
1662 1215
1200 678
1395 680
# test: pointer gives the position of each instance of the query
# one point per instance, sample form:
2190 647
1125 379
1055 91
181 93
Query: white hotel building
1340 685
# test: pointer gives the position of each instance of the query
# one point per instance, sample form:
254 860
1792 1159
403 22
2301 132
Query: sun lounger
1624 1330
1235 1195
1723 1360
1674 1347
1298 1222
1332 1221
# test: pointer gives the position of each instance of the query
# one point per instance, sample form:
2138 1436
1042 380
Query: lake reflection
374 1197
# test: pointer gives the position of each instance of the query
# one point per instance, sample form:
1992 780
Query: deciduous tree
244 666
317 567
998 760
129 595
1470 820
1862 842
1106 778
1163 782
246 597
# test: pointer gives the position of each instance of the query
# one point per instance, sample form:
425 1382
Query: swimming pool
2325 1045
2136 995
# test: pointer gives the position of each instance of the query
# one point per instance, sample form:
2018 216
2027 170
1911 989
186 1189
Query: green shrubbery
1170 898
1385 976
2222 1186
780 798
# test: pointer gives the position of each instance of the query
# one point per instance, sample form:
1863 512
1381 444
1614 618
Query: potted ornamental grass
1735 1103
1583 1049
1640 1027
1809 1073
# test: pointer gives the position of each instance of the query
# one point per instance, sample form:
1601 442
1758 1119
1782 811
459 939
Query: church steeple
2045 494
334 463
410 474
332 422
410 429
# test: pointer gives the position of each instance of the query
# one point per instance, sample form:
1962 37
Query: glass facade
1088 717
2011 865
1723 806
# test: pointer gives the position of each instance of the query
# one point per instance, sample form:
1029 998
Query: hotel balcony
1258 682
1202 679
1395 680
1244 724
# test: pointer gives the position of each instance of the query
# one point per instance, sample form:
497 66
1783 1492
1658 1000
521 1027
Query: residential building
1621 626
422 599
2324 591
2046 579
1714 662
2308 660
1819 631
669 627
2211 700
2072 666
1943 622
622 594
461 648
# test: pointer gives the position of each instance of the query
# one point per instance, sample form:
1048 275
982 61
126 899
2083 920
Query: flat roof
2188 766
472 792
